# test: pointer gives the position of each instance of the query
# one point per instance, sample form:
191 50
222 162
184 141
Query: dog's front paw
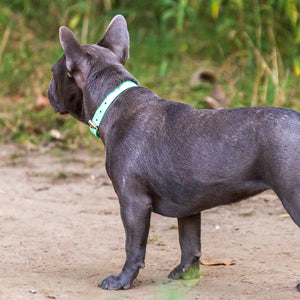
114 283
187 273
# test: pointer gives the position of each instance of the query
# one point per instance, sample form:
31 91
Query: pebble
32 291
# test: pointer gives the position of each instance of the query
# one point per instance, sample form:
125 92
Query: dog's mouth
57 110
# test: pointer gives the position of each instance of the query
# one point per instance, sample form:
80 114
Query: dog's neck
100 84
106 103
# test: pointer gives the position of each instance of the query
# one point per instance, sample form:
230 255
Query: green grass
252 46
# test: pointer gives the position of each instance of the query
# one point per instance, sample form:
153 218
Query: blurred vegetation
252 48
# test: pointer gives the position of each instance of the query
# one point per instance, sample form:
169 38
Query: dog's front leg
135 214
189 229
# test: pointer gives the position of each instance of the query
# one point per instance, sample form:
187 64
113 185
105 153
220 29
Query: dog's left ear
116 38
76 59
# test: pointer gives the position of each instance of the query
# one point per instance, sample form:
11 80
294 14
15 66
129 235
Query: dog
167 157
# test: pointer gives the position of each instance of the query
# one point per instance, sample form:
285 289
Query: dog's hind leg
189 229
282 168
291 201
284 179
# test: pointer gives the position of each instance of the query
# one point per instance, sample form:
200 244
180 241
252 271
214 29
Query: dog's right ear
76 60
116 38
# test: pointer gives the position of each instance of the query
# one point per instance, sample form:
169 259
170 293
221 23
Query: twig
4 41
263 62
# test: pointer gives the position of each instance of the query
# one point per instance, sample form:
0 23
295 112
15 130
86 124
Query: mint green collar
101 110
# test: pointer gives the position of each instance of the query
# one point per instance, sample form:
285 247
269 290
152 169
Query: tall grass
252 46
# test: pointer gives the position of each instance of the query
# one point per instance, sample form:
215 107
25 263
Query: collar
101 110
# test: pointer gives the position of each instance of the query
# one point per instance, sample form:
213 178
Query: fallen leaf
219 95
41 188
18 98
92 275
161 244
42 101
203 76
224 262
284 216
55 134
247 213
213 103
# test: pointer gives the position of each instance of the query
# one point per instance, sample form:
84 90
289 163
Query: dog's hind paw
186 273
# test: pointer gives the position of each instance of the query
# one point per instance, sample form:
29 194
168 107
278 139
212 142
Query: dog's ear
116 38
76 60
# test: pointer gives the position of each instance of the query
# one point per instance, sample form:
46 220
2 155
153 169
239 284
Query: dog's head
67 89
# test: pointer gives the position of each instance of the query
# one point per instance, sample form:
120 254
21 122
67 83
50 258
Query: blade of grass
4 41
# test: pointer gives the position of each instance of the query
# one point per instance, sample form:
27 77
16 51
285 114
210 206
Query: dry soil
61 233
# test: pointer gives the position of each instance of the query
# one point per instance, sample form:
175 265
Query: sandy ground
61 233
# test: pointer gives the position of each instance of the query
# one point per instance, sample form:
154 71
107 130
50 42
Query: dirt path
61 234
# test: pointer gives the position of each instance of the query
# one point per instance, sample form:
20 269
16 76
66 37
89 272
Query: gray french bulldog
168 157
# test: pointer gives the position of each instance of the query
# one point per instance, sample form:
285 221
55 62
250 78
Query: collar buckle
90 122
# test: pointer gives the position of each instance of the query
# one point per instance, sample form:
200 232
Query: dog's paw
186 273
113 283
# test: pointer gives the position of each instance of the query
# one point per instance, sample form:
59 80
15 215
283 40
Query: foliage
252 46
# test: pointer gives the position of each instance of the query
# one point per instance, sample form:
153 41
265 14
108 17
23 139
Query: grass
255 56
153 239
